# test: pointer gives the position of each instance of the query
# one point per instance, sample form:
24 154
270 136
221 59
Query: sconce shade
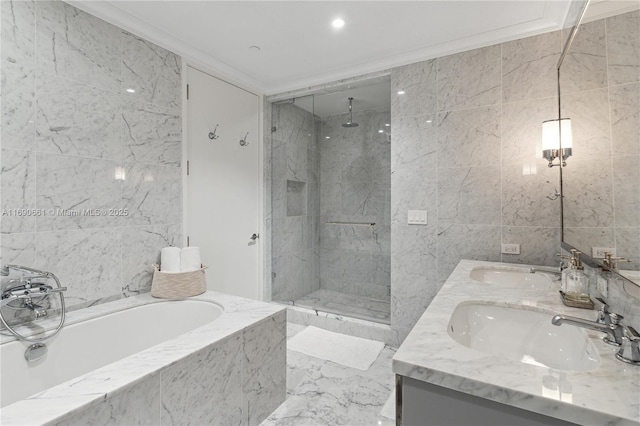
551 133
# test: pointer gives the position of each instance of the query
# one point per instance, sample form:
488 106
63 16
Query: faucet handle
630 350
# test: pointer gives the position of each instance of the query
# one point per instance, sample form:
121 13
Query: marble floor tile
320 392
335 302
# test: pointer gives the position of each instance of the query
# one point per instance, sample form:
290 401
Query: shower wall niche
331 202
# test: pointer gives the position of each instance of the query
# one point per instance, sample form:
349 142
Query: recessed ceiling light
131 91
380 131
401 92
337 23
429 121
327 137
387 125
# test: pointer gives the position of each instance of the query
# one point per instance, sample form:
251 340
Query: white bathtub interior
88 345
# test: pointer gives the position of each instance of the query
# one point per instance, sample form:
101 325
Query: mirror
599 84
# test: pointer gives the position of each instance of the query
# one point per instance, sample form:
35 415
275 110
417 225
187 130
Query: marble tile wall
80 99
465 147
355 187
601 93
294 203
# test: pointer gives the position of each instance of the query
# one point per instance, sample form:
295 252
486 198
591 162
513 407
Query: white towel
190 259
170 259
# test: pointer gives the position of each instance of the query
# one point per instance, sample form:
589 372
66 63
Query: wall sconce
555 132
120 173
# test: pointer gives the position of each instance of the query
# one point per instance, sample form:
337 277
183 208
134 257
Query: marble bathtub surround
429 354
70 120
196 378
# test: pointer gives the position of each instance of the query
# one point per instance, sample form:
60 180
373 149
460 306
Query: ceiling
299 48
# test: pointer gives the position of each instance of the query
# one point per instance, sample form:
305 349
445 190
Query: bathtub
139 360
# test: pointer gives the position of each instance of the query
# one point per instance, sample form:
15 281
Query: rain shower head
350 123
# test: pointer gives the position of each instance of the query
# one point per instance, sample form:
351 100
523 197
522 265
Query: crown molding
109 12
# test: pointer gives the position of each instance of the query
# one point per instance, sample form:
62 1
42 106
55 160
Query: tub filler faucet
28 291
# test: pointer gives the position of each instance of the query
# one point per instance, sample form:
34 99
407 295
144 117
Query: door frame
262 293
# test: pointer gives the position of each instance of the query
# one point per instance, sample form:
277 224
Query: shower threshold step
360 307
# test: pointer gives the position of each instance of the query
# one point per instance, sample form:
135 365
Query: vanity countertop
609 394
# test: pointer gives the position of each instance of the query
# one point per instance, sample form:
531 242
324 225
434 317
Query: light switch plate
417 217
510 248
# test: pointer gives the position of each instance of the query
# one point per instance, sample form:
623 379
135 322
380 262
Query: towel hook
243 141
212 135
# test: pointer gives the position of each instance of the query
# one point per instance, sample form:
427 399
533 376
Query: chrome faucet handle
603 309
630 350
615 336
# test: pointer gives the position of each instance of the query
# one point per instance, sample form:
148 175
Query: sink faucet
630 350
614 330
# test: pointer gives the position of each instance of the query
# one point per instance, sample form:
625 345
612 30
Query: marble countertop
81 392
609 394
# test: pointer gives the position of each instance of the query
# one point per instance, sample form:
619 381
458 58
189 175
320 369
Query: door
222 206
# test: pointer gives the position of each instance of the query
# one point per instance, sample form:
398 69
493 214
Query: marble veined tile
522 129
264 382
589 236
153 72
203 388
153 194
18 107
71 190
529 67
588 202
628 246
139 405
17 44
151 134
525 193
590 123
623 48
419 84
624 102
414 190
626 190
18 33
78 46
469 195
76 119
321 392
86 261
413 250
141 247
456 242
585 66
469 138
414 142
18 249
410 296
469 79
18 191
538 245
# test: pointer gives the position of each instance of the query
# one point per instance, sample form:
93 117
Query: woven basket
177 285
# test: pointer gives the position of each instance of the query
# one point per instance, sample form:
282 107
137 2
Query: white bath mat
353 352
389 408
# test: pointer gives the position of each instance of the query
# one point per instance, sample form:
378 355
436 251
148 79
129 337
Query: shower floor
361 307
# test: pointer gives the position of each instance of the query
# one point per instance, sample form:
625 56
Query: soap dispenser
575 283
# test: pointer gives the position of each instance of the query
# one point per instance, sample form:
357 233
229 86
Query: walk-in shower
331 180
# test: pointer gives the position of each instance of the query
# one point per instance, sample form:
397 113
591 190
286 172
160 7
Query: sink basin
523 335
508 277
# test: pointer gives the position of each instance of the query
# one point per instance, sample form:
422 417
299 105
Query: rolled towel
170 259
190 259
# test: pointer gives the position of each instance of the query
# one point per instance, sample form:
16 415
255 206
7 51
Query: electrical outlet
598 252
510 248
417 217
